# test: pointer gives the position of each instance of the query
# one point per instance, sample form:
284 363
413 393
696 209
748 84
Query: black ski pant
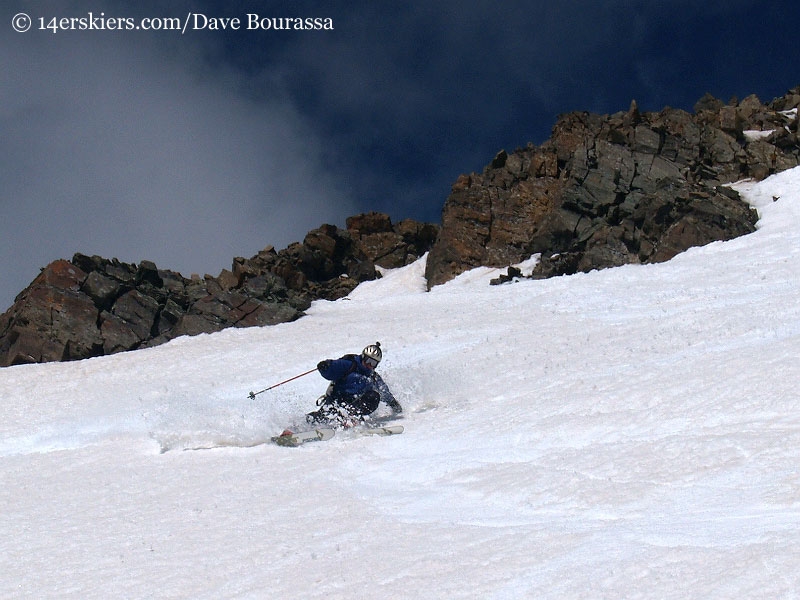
354 406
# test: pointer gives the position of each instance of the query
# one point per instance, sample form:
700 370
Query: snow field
629 433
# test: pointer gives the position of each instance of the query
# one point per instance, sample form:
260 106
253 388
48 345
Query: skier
356 390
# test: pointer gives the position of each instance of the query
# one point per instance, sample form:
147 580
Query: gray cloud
120 146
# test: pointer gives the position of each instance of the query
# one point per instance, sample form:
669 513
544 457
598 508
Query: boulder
138 311
101 289
117 334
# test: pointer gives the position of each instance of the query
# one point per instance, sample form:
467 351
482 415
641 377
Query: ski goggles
369 362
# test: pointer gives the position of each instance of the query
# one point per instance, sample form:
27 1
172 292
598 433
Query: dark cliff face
92 306
607 190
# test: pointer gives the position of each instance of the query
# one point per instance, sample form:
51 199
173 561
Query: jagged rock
607 190
511 274
51 319
266 285
730 121
117 334
169 315
101 289
138 311
227 279
148 272
708 103
91 306
269 313
369 223
195 324
379 242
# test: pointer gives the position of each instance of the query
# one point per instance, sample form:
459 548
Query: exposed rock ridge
607 190
91 306
604 190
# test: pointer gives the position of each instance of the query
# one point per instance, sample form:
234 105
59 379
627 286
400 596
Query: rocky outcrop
607 190
604 190
92 306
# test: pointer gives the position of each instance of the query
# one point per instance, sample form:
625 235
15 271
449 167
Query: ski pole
254 394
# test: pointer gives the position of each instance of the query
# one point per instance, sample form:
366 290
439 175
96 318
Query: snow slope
629 433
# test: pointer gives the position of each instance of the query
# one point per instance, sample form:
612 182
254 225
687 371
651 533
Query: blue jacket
351 379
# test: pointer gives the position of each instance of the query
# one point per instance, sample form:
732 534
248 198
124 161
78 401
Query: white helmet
372 354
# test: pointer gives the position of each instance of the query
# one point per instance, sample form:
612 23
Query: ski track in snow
629 433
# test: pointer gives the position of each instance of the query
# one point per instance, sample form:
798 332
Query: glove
323 365
395 406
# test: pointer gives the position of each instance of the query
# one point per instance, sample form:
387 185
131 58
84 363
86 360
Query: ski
384 430
292 440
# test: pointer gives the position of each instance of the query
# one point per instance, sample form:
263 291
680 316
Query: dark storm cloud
189 150
414 94
120 147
